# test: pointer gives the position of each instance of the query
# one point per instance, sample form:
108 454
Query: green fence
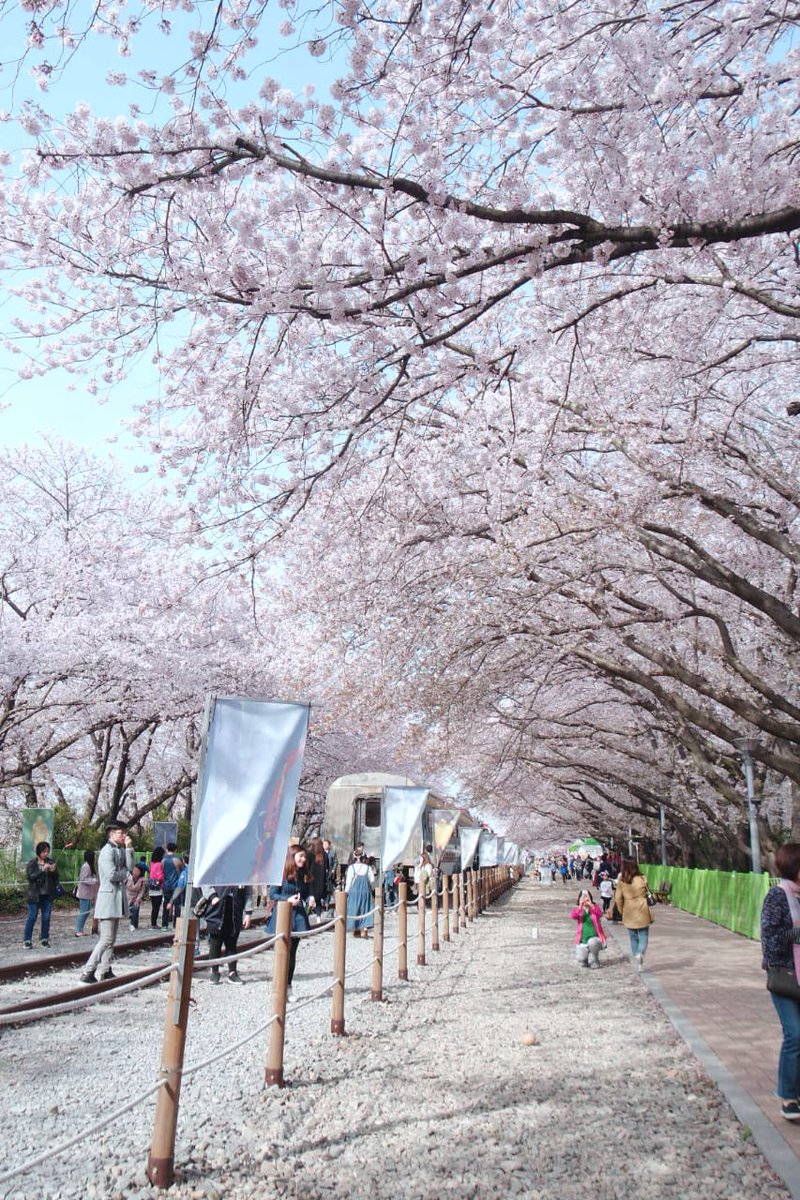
12 867
727 898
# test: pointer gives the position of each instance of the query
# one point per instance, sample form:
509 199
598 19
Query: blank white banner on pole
248 791
469 844
509 854
487 849
444 823
402 809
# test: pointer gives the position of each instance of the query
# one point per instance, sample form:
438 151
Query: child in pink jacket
590 938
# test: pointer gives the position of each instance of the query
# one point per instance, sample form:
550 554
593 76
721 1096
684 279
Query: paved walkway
710 983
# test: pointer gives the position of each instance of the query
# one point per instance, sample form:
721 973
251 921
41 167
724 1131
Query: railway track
27 967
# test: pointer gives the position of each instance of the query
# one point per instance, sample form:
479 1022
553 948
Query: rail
470 896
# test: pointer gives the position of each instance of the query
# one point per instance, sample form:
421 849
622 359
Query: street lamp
746 747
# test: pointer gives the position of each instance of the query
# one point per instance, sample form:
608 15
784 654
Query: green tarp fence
727 898
12 868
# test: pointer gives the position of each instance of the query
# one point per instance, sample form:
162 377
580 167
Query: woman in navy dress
359 883
296 888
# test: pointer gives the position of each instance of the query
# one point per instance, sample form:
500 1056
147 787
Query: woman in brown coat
630 901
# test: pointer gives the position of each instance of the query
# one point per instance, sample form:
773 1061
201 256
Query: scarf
792 891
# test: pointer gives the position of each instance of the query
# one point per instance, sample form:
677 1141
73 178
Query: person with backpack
173 865
155 885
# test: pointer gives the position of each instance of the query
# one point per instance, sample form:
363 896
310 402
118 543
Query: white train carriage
353 815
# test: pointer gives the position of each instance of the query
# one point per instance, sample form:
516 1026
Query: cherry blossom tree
493 337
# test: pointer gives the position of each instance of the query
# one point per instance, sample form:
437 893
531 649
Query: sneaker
290 996
234 977
109 974
133 929
790 1109
215 977
594 966
44 942
88 977
28 945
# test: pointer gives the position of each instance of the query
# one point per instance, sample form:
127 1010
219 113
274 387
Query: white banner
509 854
487 849
444 823
500 853
402 810
469 844
247 791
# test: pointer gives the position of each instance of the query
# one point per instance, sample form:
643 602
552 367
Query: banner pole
421 921
339 961
160 1168
273 1073
377 957
435 912
402 931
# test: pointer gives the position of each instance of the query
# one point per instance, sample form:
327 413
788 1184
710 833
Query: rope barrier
36 1014
187 1071
162 972
86 1135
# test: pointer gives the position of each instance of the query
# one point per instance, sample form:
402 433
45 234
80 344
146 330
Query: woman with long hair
630 901
780 957
296 888
155 884
85 891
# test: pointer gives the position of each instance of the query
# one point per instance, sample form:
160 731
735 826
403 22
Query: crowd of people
112 887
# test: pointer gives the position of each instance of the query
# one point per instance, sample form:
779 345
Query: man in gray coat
114 865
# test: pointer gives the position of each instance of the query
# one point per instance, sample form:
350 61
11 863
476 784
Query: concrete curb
778 1153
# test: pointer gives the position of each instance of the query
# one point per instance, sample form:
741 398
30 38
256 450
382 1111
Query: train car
353 815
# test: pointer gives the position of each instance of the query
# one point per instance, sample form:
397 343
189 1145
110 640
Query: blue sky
58 402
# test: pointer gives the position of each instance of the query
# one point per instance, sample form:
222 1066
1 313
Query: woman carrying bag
631 900
780 958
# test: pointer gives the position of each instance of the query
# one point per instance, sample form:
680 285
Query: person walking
590 937
423 874
85 891
606 890
172 865
155 884
295 887
630 901
114 865
42 874
332 860
227 912
780 957
358 884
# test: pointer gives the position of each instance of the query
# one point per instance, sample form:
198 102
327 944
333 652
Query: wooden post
454 881
402 930
470 904
339 961
161 1159
435 912
421 922
445 908
377 958
273 1073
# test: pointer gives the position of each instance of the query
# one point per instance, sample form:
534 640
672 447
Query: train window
372 814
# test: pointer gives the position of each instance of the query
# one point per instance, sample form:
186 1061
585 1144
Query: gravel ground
430 1093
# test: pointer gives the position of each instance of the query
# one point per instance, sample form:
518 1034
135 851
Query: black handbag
59 892
782 981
